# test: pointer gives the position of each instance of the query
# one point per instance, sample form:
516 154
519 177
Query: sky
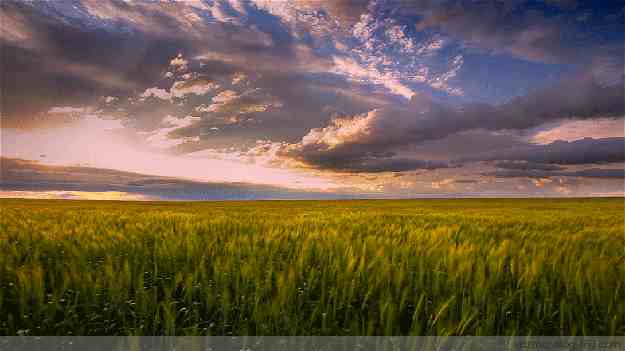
255 99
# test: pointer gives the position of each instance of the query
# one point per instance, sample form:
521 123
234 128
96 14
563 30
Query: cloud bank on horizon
385 98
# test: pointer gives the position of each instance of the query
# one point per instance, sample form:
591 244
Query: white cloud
68 110
441 82
219 101
340 131
157 93
357 72
229 101
110 99
431 46
182 88
397 36
225 96
571 130
395 59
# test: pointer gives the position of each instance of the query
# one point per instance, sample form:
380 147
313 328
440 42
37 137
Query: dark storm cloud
22 175
467 143
585 151
354 161
575 98
535 173
528 169
524 166
600 173
385 130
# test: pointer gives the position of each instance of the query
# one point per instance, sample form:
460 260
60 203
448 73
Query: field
419 267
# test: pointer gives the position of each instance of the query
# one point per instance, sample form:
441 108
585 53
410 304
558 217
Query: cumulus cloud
233 103
372 140
196 86
340 147
180 89
157 93
383 130
110 99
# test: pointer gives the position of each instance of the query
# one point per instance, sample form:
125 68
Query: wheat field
370 267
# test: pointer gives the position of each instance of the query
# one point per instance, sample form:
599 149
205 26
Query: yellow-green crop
444 267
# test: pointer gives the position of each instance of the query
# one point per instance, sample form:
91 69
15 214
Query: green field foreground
376 267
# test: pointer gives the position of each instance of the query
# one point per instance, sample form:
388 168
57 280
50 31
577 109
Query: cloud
179 63
514 169
598 173
157 93
384 51
546 174
347 86
69 58
512 28
342 12
196 86
21 178
67 110
570 130
584 151
342 146
355 71
14 28
383 131
524 165
347 11
75 195
368 164
232 103
165 137
110 99
100 48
